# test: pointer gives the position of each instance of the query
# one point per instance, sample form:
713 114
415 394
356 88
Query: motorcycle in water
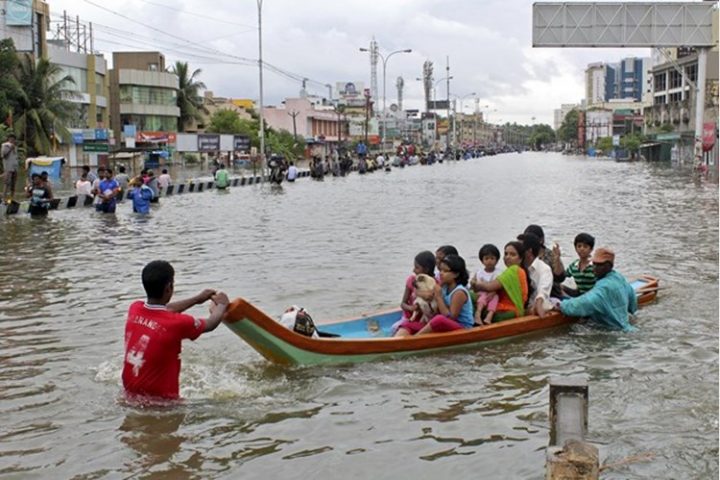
277 172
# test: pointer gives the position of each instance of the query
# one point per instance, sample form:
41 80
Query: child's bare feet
488 318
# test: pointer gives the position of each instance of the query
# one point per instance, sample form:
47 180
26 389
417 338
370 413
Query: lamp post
384 64
260 67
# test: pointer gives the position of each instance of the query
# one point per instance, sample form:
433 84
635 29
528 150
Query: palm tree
42 108
188 99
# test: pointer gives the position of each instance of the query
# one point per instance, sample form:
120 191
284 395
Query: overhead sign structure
605 24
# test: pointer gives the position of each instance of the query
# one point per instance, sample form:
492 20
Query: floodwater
340 248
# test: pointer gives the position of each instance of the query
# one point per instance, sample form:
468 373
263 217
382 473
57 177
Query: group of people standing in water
530 284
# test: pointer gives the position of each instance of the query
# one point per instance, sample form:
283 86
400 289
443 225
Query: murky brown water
340 248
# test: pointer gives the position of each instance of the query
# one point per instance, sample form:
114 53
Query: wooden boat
369 337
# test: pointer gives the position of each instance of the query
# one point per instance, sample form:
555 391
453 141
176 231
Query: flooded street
340 248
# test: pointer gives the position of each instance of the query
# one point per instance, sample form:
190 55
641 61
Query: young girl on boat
511 285
453 301
424 263
489 256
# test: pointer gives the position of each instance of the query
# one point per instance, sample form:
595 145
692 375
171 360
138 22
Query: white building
561 113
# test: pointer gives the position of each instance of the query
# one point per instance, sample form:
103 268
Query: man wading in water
155 329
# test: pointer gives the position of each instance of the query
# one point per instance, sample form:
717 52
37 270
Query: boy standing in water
155 329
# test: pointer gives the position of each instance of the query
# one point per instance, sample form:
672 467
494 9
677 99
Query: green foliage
189 100
283 143
42 109
632 142
225 121
542 134
605 144
9 86
666 127
568 129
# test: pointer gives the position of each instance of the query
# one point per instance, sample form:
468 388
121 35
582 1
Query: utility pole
447 136
294 114
260 67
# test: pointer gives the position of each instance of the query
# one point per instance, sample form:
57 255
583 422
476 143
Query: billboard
208 143
18 13
350 90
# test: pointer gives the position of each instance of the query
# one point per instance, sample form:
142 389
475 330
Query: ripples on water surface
340 248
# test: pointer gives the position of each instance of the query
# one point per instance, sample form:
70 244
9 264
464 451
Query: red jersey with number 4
153 337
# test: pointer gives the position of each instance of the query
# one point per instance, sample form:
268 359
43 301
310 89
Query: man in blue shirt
610 300
107 191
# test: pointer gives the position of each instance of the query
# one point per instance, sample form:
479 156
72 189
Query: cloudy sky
488 43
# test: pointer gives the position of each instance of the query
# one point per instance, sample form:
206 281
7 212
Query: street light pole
260 65
385 59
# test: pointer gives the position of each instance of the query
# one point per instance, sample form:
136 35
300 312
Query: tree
188 98
631 142
541 135
42 109
605 144
9 86
569 128
225 121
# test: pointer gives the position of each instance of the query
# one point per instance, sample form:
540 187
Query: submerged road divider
568 455
15 208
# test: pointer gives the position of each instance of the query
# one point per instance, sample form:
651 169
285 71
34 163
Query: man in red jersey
155 329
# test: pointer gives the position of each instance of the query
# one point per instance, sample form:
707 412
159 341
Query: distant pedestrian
8 151
83 186
222 177
90 175
164 180
123 180
108 190
40 195
152 182
141 196
292 173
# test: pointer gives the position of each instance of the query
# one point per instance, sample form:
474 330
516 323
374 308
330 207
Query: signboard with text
241 143
96 147
208 143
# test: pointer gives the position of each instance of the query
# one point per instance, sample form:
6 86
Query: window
691 72
675 97
158 123
675 79
660 100
99 85
78 75
660 82
147 95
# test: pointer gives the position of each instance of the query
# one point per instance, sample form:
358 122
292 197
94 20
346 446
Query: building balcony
147 78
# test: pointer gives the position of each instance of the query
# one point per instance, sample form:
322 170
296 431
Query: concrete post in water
568 455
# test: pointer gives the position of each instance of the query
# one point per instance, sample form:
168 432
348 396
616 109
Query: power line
199 15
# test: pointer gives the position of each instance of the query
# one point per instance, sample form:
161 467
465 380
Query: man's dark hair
531 242
86 168
536 230
11 135
585 238
121 169
157 275
164 170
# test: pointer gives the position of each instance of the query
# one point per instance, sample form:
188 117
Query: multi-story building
624 80
309 117
143 96
670 121
90 88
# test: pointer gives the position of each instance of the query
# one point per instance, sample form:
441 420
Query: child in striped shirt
581 270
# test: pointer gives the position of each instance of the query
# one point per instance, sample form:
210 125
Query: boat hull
369 338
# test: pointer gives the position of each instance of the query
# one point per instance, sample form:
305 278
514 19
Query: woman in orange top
511 285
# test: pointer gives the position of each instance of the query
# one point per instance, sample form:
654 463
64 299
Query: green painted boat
369 337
